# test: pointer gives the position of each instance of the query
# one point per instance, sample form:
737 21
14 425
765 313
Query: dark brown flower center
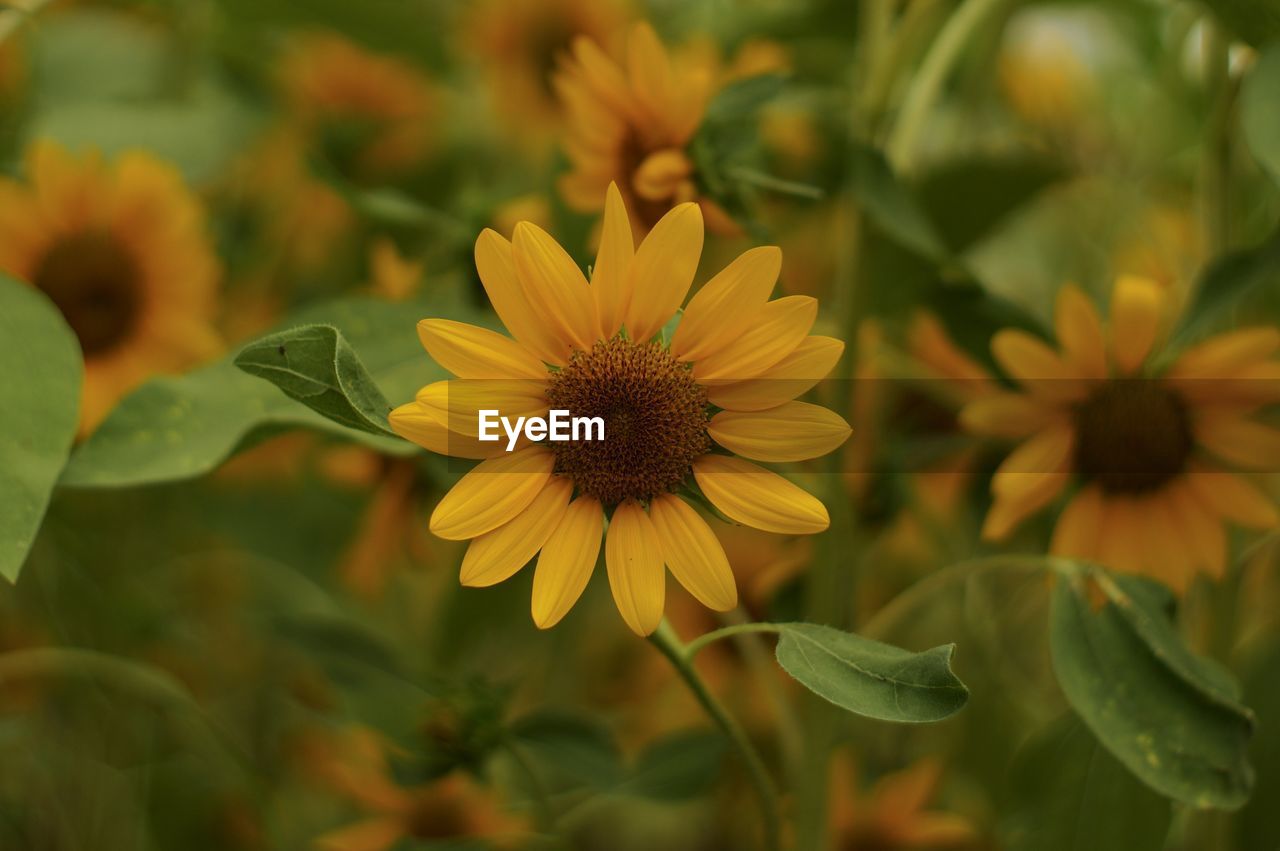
655 420
94 281
1132 436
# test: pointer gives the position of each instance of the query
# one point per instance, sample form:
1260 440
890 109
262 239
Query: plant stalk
670 645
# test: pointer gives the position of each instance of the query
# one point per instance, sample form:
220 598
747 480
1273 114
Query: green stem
670 645
1217 166
934 71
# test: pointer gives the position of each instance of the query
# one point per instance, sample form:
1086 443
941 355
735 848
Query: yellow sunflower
596 349
1148 444
355 765
378 110
122 251
519 42
630 122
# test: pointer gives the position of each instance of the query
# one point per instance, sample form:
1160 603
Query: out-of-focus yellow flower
1148 447
393 277
1164 245
1044 79
630 122
122 251
893 814
378 107
533 207
594 349
355 766
520 42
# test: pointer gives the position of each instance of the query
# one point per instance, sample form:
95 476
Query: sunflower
1148 443
121 251
373 113
355 765
893 813
728 375
631 122
520 42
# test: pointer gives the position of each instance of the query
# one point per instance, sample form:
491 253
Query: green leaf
869 678
577 748
40 400
317 366
1173 719
892 205
1254 21
1070 794
1259 116
1239 289
967 199
678 767
1259 821
179 428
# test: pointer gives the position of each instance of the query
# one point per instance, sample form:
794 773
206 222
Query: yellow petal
794 431
1222 356
1007 511
790 377
756 497
1037 367
1200 527
495 556
1079 330
1077 531
417 423
493 493
567 560
613 264
377 834
649 69
1122 545
496 267
1137 305
1169 556
1009 415
554 285
661 173
663 270
777 331
633 556
1048 453
724 307
693 553
457 403
1241 441
471 352
1232 498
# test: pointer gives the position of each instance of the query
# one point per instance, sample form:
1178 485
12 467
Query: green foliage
315 365
968 198
1237 289
1069 794
177 428
869 678
40 400
1259 117
1254 21
680 766
110 82
892 206
1172 718
577 748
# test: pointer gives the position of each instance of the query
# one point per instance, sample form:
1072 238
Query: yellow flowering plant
623 425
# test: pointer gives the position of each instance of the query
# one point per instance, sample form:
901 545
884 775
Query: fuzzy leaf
317 366
1173 718
869 678
40 398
